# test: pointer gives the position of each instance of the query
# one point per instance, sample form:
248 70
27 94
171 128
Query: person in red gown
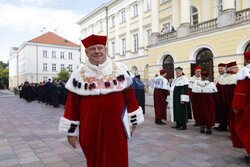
240 131
204 99
161 91
98 94
221 115
192 82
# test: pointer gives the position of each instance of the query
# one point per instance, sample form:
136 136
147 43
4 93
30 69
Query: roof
52 38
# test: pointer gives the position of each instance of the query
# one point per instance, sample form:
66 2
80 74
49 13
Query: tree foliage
63 75
4 76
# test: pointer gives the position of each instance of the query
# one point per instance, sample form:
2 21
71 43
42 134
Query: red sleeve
130 99
72 107
240 95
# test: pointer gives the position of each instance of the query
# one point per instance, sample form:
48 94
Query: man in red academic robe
221 115
240 131
161 91
204 99
98 93
192 82
228 82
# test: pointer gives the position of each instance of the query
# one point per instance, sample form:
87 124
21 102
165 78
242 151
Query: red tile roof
51 38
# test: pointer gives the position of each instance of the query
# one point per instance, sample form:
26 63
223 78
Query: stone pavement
29 138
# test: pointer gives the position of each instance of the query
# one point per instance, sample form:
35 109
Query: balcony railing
168 36
204 26
243 15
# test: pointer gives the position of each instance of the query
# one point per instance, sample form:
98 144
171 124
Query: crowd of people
51 93
224 101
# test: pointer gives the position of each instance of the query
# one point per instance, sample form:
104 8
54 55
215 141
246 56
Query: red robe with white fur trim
99 111
240 133
204 93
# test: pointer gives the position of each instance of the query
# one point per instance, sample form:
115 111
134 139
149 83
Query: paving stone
150 146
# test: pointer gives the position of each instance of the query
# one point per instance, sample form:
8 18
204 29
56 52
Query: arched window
168 65
135 70
205 59
194 15
247 48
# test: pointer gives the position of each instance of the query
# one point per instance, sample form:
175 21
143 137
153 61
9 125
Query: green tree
3 65
4 78
63 75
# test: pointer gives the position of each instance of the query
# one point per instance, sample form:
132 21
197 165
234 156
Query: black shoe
217 128
159 122
182 128
247 158
208 132
223 129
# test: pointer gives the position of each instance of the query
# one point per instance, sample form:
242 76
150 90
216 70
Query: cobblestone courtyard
29 137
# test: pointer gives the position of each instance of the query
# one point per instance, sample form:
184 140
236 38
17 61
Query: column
228 5
228 16
205 10
128 51
117 22
245 4
175 13
155 21
155 16
185 11
141 39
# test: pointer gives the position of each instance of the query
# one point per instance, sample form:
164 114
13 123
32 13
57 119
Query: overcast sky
23 20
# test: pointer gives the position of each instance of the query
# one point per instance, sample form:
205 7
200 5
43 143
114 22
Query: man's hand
235 110
182 102
132 128
72 141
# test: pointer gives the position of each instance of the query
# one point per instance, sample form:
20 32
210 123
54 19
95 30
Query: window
45 67
45 54
53 67
148 5
62 55
112 21
194 15
135 10
45 79
148 36
70 55
219 7
62 67
53 54
113 49
135 39
70 67
123 16
100 26
123 42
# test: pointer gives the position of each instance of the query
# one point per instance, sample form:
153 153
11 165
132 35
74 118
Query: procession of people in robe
51 93
224 101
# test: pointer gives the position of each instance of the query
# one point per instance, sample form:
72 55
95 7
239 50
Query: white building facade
37 62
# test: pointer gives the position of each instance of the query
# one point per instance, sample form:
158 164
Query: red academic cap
163 71
197 68
247 55
94 40
222 65
204 74
231 64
